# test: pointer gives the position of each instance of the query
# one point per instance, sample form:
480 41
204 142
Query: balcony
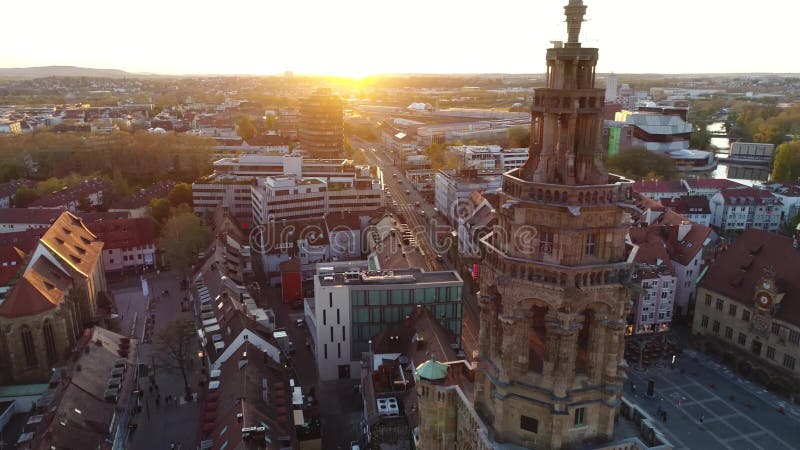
619 191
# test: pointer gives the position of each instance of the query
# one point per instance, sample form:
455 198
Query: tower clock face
766 285
764 300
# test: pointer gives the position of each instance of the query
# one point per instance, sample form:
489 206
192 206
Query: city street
159 424
424 224
708 408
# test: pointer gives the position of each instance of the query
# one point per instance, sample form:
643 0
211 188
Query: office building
320 125
355 301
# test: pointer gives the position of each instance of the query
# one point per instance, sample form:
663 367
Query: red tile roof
712 183
659 186
74 244
23 240
748 196
10 263
652 243
41 288
737 271
25 215
125 233
688 204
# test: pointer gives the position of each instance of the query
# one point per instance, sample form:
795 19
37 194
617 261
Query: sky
359 37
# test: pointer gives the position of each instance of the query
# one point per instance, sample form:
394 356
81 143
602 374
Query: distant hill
63 71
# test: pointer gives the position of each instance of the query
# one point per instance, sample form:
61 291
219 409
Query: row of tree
140 157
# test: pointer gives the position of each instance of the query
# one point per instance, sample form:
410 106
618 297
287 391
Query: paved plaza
159 424
708 407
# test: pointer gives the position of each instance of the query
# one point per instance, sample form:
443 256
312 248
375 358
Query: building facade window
529 424
704 322
771 353
794 337
729 332
590 244
708 300
720 304
715 327
28 347
776 329
49 342
579 416
732 309
742 339
788 362
746 315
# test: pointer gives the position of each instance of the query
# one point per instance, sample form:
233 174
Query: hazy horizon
358 38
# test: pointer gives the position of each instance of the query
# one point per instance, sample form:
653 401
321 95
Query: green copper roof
432 370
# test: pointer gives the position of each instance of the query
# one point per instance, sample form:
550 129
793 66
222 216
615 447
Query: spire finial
574 11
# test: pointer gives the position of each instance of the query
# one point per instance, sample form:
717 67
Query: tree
180 194
159 209
245 128
436 153
271 122
174 349
519 137
120 185
637 163
49 186
24 196
700 139
183 237
84 204
786 162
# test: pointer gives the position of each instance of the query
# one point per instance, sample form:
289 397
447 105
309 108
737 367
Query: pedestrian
633 387
702 417
172 446
158 399
665 417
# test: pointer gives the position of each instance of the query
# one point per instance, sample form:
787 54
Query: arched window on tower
28 347
49 342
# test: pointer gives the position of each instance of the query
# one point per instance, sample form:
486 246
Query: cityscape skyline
356 38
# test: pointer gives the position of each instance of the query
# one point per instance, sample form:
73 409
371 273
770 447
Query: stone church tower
553 296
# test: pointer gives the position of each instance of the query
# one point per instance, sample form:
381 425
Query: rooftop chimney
683 229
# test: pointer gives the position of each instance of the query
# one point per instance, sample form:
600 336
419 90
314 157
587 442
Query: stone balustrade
618 191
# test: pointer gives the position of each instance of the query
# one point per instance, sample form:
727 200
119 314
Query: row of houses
729 206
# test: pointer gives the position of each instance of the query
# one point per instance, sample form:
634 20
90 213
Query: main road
423 229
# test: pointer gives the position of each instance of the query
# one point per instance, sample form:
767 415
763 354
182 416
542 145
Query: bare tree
174 348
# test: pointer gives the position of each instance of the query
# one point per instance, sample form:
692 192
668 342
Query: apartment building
654 272
738 209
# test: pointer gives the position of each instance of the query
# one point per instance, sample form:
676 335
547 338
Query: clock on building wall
764 300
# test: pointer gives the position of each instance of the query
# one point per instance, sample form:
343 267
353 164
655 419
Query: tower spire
574 11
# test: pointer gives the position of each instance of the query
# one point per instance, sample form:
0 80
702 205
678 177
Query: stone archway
591 337
537 338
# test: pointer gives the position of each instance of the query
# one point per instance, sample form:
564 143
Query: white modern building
354 301
289 197
454 188
488 157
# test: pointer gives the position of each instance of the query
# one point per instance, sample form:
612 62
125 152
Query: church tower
553 296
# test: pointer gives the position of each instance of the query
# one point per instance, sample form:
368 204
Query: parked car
416 204
300 323
291 349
